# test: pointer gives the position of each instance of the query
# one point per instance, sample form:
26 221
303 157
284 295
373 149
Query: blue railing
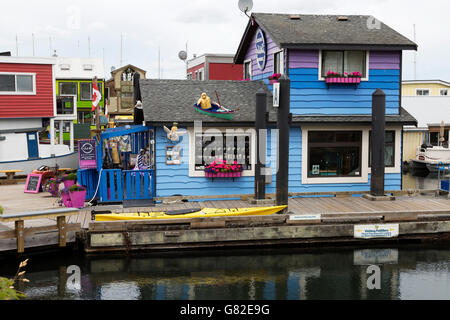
89 179
117 185
138 184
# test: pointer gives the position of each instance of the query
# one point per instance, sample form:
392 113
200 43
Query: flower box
223 174
350 80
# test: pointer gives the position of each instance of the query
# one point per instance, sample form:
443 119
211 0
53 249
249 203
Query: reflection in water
274 275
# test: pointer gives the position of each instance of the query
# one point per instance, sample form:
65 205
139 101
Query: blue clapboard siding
174 179
392 180
311 96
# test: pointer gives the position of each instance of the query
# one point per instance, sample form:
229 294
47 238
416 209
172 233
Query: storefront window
334 154
222 146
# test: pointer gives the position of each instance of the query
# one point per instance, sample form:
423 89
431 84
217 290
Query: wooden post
261 127
282 191
61 221
378 139
20 236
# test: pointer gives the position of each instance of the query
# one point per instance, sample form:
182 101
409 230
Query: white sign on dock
372 231
302 217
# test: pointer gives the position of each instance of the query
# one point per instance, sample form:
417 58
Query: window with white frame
443 92
343 62
334 154
278 62
229 146
17 83
422 92
215 144
389 149
247 70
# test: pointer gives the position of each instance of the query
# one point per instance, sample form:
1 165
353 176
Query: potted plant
1 210
66 201
77 195
274 78
52 186
69 179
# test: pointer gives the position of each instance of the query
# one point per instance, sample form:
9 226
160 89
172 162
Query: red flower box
223 174
351 80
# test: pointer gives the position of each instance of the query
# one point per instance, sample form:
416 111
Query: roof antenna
245 5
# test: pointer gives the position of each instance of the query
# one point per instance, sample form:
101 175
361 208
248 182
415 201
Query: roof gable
324 32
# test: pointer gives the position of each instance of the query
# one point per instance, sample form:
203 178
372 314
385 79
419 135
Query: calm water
406 273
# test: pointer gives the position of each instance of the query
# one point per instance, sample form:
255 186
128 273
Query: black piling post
378 140
282 192
261 142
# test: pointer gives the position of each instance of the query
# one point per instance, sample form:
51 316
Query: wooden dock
419 217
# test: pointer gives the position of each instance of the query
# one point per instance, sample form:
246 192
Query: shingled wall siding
174 179
310 96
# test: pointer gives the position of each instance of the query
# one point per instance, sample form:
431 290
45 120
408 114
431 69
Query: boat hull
222 115
202 213
69 160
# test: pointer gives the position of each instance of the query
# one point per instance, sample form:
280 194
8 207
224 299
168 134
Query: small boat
191 213
430 157
216 111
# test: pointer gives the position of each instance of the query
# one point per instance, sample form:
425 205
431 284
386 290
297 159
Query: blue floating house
334 64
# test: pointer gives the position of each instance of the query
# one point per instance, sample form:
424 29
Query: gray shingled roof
324 32
403 118
166 101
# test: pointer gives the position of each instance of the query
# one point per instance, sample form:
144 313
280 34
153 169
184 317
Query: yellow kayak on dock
191 213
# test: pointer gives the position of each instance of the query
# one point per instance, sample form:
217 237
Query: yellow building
432 88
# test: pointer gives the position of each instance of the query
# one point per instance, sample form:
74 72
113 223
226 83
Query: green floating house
74 80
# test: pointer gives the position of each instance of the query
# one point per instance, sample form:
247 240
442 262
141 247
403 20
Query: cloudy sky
206 26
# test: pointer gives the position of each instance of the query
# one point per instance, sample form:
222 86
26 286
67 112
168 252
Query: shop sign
87 154
261 50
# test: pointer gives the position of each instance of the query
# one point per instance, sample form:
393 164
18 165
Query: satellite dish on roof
245 5
182 55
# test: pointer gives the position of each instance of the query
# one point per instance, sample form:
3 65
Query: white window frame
18 93
442 95
397 152
366 78
281 61
197 174
365 169
201 74
250 71
423 89
364 178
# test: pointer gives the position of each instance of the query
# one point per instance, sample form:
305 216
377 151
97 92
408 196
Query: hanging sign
276 95
87 154
372 231
261 49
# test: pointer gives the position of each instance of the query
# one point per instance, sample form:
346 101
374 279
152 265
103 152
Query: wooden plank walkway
13 199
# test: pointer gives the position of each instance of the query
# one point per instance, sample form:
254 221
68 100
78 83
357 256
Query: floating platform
328 220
